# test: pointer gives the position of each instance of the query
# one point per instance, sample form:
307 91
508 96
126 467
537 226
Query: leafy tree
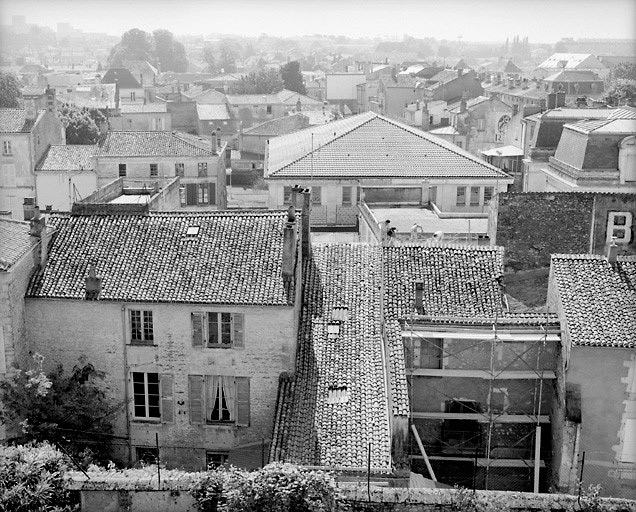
81 124
9 90
622 71
292 78
266 81
443 51
209 57
170 54
50 407
620 92
228 53
134 45
560 47
32 478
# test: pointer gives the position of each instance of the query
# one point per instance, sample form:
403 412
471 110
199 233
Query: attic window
192 231
340 313
337 395
333 330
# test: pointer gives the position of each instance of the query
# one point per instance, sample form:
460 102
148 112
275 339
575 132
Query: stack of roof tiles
310 430
599 301
235 258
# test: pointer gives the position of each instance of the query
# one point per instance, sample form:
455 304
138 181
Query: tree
560 47
9 90
56 406
292 78
228 53
443 51
623 70
266 81
81 124
209 58
170 54
620 85
134 45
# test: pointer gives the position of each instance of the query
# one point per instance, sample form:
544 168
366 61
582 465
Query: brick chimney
552 100
31 110
214 141
93 284
305 232
50 100
560 99
37 229
419 293
426 120
289 245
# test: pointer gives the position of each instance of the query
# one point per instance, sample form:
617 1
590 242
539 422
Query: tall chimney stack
306 231
289 245
93 284
37 229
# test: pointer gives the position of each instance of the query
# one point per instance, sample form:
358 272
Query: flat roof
404 218
131 199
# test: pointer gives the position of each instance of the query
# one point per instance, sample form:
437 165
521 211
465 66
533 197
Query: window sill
154 421
220 424
141 344
218 345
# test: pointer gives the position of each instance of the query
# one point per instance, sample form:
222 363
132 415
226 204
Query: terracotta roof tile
13 120
311 428
236 258
373 146
16 241
71 157
599 302
280 126
155 143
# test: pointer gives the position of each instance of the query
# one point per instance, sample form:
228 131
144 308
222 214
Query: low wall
126 491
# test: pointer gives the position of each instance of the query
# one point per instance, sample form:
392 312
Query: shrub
31 479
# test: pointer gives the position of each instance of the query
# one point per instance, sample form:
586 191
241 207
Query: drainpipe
126 371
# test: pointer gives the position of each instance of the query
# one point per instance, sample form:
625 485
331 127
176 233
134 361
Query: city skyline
540 20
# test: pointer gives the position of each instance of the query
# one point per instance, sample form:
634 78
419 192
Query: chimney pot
612 252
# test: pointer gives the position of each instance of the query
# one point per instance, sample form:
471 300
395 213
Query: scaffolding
493 461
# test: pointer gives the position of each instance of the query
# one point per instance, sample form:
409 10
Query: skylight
192 231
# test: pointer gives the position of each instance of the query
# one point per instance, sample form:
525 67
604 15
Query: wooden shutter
167 404
191 194
237 327
212 193
243 401
196 398
197 329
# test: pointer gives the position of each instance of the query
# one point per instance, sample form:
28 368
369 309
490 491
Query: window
316 194
202 169
6 147
460 144
203 193
474 196
141 331
463 434
132 96
219 399
147 454
146 395
215 459
179 170
346 196
481 125
432 194
424 352
269 109
122 170
488 193
217 330
461 196
154 170
287 195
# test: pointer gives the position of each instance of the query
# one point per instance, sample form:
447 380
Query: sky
543 21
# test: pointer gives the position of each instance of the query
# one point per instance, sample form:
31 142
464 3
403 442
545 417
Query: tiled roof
16 241
236 258
140 108
598 304
310 428
458 281
573 76
444 130
373 146
280 126
13 120
471 103
577 113
253 99
33 90
122 77
623 113
158 143
213 112
205 97
572 60
291 98
71 157
398 81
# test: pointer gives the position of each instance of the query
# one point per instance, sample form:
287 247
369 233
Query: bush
31 479
274 488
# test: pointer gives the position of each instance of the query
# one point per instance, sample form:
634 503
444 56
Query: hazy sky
473 20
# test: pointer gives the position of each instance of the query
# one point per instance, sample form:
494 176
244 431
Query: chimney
306 212
460 72
612 252
299 105
511 83
50 100
93 284
37 229
426 118
560 99
289 245
463 104
214 141
31 111
542 104
419 292
552 100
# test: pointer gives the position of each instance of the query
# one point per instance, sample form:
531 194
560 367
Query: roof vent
192 231
93 284
333 330
337 395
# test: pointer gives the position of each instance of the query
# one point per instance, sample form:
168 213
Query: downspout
126 368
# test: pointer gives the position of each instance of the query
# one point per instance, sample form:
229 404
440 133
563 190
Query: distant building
143 117
130 90
568 62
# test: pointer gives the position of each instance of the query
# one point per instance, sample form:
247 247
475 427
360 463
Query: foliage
560 47
9 90
265 81
170 54
31 479
443 51
50 407
274 488
292 78
210 59
81 124
159 48
620 92
624 71
228 52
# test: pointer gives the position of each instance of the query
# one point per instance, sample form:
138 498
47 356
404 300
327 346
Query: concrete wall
62 189
63 330
342 86
144 121
184 116
492 135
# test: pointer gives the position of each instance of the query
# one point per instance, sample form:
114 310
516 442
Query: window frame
316 198
461 188
213 320
154 170
287 194
475 193
146 396
146 330
202 169
122 168
201 403
7 149
349 190
179 169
